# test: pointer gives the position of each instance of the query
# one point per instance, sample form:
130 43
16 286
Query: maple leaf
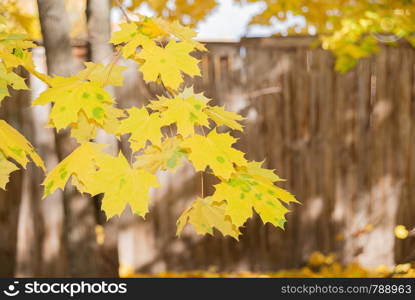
167 156
14 52
169 63
110 74
217 113
81 163
6 168
122 185
143 127
222 117
215 150
14 145
11 79
132 37
72 96
112 121
185 112
206 214
174 28
150 28
83 131
188 92
252 187
9 42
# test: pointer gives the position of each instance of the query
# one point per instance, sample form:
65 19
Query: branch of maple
124 12
202 190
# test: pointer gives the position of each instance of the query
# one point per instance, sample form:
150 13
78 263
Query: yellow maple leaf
81 163
132 37
215 150
169 63
222 117
143 127
72 96
122 185
10 42
188 92
149 27
181 32
112 120
166 156
110 74
10 79
14 51
206 214
14 145
125 33
6 168
185 112
83 131
255 169
250 188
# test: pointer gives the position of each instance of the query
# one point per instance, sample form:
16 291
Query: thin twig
169 95
123 11
202 172
202 187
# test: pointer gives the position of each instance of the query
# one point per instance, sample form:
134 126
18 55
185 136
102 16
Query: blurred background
345 142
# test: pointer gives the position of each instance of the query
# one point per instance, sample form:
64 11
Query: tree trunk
10 200
98 14
55 32
78 222
30 229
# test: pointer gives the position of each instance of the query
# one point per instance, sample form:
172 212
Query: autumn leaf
11 41
122 185
131 36
179 31
222 117
169 63
83 131
110 74
14 145
112 120
10 79
6 168
81 163
143 127
252 187
72 96
185 112
188 92
167 156
215 150
206 214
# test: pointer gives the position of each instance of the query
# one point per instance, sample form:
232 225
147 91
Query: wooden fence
345 144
